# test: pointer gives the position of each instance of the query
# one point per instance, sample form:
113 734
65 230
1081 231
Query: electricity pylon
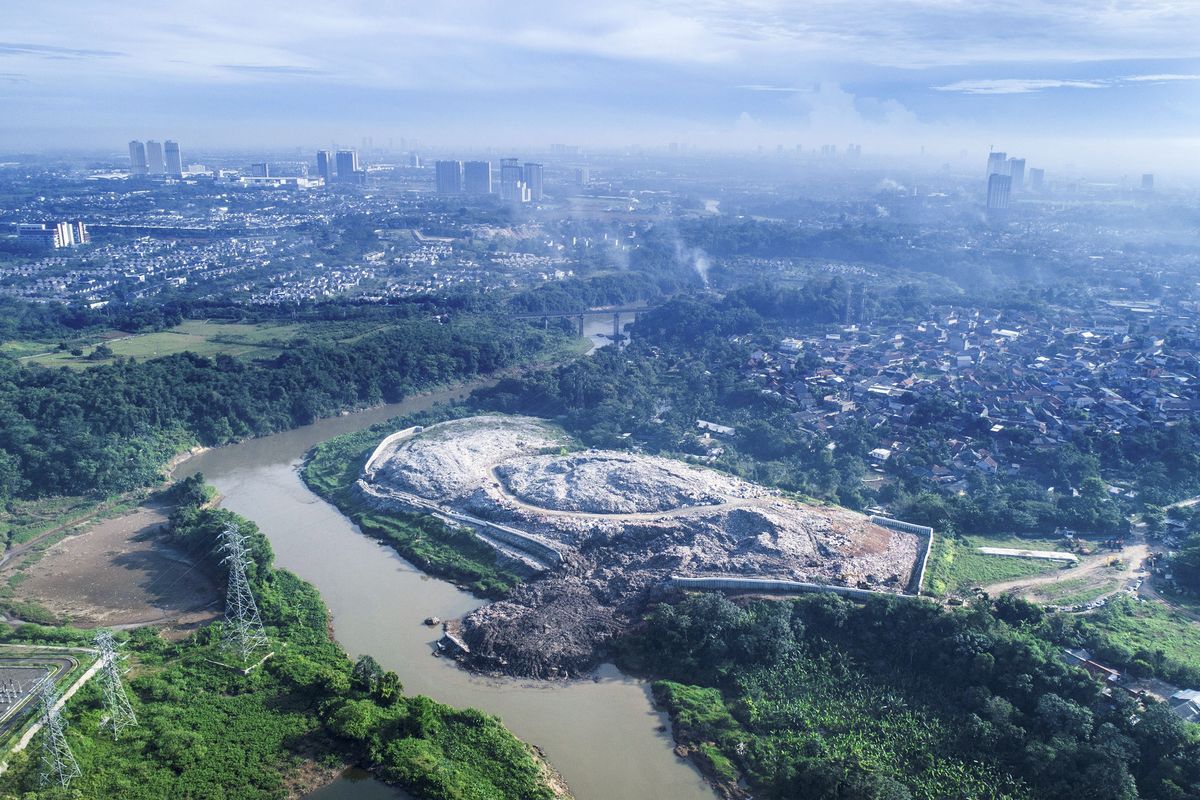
58 762
116 701
243 628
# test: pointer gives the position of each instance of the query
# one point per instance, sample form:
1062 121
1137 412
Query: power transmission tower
243 628
116 701
58 762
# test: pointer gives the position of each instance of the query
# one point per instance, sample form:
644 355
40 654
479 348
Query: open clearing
116 573
203 337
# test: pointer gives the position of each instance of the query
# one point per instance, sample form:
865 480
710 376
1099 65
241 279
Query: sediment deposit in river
607 529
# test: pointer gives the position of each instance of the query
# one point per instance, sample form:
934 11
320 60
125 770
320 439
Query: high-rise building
137 158
325 166
997 164
448 177
1016 171
414 160
53 236
260 170
37 236
64 234
173 158
999 191
154 157
347 167
477 177
512 181
582 176
1148 182
1036 177
532 174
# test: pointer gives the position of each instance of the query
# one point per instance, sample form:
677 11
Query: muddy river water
603 735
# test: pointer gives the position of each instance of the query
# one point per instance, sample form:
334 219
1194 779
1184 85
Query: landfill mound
611 483
605 530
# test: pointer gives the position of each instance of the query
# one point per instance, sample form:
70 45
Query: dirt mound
611 483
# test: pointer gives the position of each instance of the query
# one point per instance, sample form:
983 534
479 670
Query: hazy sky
1057 78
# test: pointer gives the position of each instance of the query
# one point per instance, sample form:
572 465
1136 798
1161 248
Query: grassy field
1150 627
956 566
199 336
22 520
210 338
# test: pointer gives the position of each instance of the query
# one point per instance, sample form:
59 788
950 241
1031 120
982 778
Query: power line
58 762
116 701
243 628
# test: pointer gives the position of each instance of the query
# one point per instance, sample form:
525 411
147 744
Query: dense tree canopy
111 428
826 698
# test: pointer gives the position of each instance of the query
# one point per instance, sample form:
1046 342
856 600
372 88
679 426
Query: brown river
603 735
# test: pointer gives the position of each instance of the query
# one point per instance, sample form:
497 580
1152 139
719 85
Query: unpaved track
1132 556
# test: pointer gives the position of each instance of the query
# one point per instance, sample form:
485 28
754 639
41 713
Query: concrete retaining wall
901 525
769 586
526 543
371 466
918 580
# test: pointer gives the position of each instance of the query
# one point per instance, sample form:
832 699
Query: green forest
111 428
209 732
821 697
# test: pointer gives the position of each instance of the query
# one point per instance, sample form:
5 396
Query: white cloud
1018 85
763 87
1165 77
1027 85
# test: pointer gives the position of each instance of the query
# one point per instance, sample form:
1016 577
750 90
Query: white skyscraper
174 159
477 177
154 157
137 158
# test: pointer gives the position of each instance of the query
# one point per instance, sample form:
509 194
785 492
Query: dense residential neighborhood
1032 378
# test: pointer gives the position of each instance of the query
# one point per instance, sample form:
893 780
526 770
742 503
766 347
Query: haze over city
700 400
1075 82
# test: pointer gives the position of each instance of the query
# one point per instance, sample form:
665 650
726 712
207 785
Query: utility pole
243 628
58 762
116 701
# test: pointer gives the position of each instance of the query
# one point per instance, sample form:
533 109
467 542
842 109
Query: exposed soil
1095 569
609 529
118 573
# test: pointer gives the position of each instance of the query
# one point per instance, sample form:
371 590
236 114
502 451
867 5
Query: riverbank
603 735
207 731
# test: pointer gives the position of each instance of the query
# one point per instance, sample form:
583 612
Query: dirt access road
1131 556
117 573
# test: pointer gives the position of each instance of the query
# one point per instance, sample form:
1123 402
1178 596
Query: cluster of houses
1042 376
143 264
1184 703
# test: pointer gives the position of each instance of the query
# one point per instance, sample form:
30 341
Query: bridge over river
595 321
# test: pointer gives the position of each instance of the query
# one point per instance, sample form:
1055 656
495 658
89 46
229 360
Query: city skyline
1055 81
